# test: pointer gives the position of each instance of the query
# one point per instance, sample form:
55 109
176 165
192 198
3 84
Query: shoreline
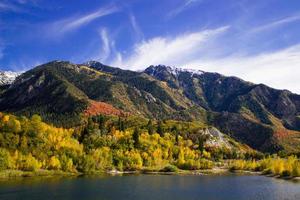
204 172
11 174
14 174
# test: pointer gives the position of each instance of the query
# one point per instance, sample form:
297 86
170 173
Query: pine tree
101 123
175 131
177 138
201 141
136 137
150 127
84 134
160 129
121 126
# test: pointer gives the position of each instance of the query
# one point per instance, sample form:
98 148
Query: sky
252 39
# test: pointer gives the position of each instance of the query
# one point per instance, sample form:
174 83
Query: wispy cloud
275 24
8 6
279 69
66 25
102 50
117 56
136 27
2 46
106 45
26 1
169 50
185 5
1 52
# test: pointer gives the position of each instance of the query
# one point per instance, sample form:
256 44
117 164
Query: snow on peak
174 70
7 77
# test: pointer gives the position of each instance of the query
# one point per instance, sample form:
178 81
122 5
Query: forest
106 143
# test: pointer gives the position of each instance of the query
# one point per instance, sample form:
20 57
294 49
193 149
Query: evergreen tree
150 127
121 126
201 140
101 123
84 134
136 137
175 131
177 138
160 129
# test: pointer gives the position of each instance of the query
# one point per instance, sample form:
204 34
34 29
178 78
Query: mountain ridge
262 117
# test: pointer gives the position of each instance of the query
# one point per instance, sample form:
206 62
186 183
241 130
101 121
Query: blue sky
252 39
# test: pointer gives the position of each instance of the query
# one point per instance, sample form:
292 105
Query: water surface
152 187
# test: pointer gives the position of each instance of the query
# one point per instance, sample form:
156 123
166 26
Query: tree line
106 143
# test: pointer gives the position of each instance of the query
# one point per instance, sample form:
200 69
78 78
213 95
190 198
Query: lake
144 187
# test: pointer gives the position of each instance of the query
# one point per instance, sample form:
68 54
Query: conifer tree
150 127
136 137
160 129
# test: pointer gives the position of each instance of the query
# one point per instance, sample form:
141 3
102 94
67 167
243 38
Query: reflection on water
150 187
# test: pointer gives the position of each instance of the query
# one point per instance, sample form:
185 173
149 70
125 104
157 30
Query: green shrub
286 173
267 171
169 168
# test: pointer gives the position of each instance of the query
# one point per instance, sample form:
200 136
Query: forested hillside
65 94
106 143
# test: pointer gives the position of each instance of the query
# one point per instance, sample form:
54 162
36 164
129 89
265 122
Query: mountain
254 113
7 77
64 93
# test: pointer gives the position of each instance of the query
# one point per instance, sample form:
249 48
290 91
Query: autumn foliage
97 107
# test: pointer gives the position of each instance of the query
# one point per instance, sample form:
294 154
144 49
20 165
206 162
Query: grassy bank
5 174
288 168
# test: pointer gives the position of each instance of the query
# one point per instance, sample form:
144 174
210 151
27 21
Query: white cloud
136 27
105 45
169 51
75 22
280 69
118 58
182 7
104 50
276 23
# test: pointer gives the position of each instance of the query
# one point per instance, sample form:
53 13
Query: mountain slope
63 93
230 94
251 113
59 90
43 90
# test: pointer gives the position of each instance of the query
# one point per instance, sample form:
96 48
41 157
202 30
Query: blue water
144 187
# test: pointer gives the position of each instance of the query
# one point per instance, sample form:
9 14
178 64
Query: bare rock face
8 77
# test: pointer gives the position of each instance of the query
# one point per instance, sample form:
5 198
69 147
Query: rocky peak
94 64
159 70
7 77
